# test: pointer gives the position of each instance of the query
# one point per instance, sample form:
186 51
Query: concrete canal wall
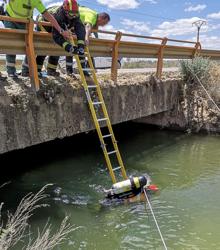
60 108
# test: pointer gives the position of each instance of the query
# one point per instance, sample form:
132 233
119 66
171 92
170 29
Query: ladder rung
102 119
105 136
115 169
92 86
112 152
87 69
97 103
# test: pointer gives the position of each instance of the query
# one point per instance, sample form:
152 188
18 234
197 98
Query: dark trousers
69 64
40 62
11 59
53 62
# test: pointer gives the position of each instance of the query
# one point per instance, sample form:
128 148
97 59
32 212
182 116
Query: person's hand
74 50
87 41
65 34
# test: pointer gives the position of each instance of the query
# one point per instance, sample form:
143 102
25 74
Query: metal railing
32 43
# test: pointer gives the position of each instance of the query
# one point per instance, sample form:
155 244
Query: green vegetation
199 66
206 70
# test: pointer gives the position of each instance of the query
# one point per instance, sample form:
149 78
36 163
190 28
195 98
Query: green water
186 169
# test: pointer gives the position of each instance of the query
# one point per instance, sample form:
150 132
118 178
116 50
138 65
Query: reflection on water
185 167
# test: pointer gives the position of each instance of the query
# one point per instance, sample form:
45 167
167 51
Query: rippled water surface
185 167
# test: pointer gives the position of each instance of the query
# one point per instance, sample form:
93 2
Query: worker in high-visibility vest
62 15
24 9
92 20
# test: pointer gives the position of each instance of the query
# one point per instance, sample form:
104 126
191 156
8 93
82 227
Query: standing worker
24 9
92 20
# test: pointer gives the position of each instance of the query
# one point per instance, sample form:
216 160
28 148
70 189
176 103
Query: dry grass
14 230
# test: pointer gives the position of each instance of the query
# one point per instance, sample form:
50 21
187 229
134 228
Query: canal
185 167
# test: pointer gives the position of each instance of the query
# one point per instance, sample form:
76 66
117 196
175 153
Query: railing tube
31 56
114 68
160 58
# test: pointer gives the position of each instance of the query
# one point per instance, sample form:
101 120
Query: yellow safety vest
24 8
88 15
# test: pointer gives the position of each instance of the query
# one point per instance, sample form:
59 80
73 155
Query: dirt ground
22 84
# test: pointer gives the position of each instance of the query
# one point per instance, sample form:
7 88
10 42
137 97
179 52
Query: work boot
13 75
86 74
81 53
2 77
25 73
69 72
52 72
72 75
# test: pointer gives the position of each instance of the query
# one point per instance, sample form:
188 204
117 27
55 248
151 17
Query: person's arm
55 24
50 18
65 44
88 28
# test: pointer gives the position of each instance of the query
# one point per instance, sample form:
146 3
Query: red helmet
70 5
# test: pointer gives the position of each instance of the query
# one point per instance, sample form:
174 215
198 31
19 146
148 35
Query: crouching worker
67 16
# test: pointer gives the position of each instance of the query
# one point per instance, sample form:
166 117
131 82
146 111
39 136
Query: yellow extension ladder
100 116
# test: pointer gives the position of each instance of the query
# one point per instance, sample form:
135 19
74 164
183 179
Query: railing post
114 69
31 55
160 58
197 50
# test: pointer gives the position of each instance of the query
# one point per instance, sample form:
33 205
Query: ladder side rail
95 120
119 158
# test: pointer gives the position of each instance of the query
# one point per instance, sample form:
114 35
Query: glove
71 49
74 50
81 51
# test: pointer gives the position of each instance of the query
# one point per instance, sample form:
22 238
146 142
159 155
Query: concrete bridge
60 108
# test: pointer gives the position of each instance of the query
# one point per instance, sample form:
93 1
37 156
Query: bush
206 70
199 66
